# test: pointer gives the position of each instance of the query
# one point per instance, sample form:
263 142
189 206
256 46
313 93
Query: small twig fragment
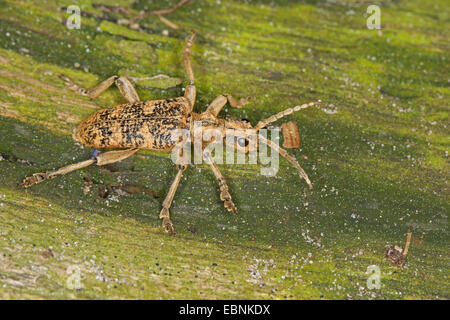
167 22
408 242
171 9
163 11
112 9
158 76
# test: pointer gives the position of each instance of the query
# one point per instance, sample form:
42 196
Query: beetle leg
101 159
223 187
73 86
124 85
165 214
39 177
187 51
127 89
190 91
114 156
219 102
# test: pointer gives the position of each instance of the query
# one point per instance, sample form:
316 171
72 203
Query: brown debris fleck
137 189
87 184
102 192
291 136
418 240
131 22
48 254
126 189
396 254
3 60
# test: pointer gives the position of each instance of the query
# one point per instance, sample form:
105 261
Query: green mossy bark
379 164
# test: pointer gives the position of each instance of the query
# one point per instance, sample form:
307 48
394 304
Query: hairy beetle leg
165 214
39 177
100 159
190 91
225 196
124 85
220 101
166 223
35 179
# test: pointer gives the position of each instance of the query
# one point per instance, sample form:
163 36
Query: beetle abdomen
143 124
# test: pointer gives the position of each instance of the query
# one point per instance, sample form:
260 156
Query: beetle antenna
288 157
284 113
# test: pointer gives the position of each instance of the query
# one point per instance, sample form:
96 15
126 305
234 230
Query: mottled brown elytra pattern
142 124
152 125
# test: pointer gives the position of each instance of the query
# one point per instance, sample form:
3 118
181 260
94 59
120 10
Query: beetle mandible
151 124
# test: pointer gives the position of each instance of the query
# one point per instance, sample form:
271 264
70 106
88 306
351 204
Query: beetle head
240 135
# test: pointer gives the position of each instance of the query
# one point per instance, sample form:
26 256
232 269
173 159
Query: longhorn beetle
151 125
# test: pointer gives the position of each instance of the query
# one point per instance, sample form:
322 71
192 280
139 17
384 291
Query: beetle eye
242 142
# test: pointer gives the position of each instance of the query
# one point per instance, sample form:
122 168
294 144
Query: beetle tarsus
34 179
168 226
73 86
227 201
167 223
229 205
